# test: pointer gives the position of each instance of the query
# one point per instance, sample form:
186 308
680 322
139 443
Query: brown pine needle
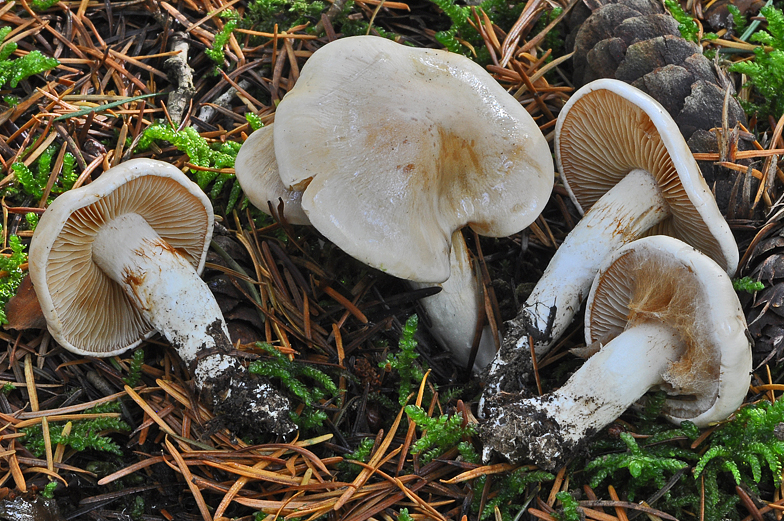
365 474
498 468
186 473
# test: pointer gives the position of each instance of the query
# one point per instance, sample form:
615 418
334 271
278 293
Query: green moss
687 25
11 265
69 176
16 70
440 433
305 382
32 220
404 515
570 508
404 361
48 490
747 284
31 184
739 21
766 71
43 5
265 14
748 445
135 369
201 153
221 39
33 180
85 434
645 465
254 121
500 12
509 494
362 454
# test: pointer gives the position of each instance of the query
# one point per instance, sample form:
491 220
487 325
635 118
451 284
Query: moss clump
33 183
264 15
747 284
290 374
221 39
462 38
12 274
687 25
14 71
85 434
509 494
201 153
766 71
404 361
441 432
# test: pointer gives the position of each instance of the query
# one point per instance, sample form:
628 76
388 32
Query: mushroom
666 317
390 173
257 172
621 158
119 259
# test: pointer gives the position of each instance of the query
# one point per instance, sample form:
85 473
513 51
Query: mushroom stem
162 284
455 311
620 216
547 429
173 298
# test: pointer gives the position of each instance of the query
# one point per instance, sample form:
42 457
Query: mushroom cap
257 172
608 128
86 311
396 147
664 280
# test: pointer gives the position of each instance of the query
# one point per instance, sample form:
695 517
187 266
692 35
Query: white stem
173 298
548 428
163 285
620 216
614 378
454 312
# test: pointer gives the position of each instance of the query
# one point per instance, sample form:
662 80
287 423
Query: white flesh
454 312
602 389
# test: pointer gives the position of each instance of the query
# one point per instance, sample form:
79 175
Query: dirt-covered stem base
548 429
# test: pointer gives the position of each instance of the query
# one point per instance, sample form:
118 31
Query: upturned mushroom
119 259
628 169
665 317
390 174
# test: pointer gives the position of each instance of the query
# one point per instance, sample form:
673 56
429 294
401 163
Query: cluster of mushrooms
389 151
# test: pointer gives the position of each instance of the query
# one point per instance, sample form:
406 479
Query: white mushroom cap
257 172
395 148
661 279
609 128
86 311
